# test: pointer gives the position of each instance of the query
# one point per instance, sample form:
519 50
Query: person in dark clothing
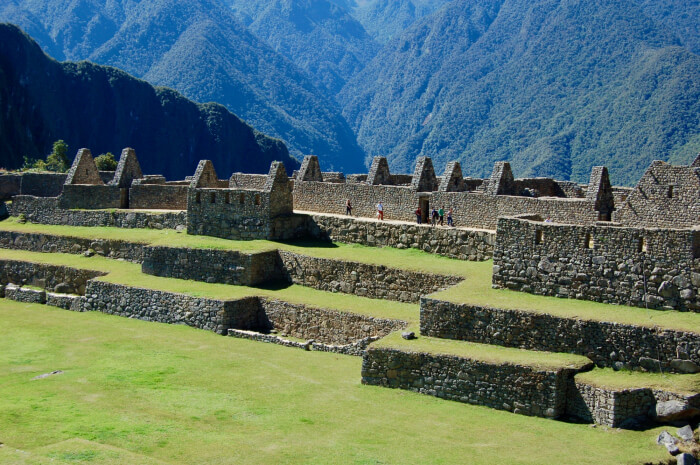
419 215
348 208
434 217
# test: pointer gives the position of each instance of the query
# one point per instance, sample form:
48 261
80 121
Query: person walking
419 215
441 213
348 208
433 217
449 218
380 211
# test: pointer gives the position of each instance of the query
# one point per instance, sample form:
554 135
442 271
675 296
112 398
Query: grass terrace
475 290
129 274
145 393
482 352
624 379
411 259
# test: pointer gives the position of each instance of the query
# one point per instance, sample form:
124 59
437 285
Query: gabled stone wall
666 196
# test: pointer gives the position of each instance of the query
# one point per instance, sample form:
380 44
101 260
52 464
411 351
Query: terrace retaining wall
38 242
463 244
514 388
167 307
213 266
323 325
47 211
605 343
374 281
51 277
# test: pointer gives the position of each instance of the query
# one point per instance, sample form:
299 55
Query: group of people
437 217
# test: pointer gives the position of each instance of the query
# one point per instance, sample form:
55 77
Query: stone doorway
424 204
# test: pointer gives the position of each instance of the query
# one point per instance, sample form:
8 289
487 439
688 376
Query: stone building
217 207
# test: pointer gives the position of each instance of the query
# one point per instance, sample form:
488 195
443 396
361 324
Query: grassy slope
475 290
121 272
185 396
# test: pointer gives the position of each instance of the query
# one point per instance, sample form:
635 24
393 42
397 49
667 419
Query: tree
57 160
106 162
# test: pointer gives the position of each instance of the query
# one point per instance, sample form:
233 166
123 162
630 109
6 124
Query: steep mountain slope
318 36
200 49
553 86
103 108
387 19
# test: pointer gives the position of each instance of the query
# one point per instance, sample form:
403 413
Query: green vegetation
184 396
106 162
129 274
161 124
482 352
552 87
57 161
625 379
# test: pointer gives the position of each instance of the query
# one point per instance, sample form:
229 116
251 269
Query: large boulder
674 410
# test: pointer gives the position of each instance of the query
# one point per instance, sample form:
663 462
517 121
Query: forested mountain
553 86
105 109
199 48
319 36
387 19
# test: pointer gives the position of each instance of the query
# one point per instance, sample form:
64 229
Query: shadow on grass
310 243
277 285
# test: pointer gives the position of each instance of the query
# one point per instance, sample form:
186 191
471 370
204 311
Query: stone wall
37 242
518 389
471 209
640 267
354 348
213 266
247 181
322 325
50 277
605 343
158 196
618 408
92 197
167 307
23 294
9 185
47 211
42 184
374 281
666 196
608 407
463 244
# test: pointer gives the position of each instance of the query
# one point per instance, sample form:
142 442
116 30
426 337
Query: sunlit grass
186 396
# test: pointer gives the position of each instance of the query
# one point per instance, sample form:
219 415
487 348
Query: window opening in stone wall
670 191
539 236
641 245
227 198
241 199
198 198
213 198
589 241
257 199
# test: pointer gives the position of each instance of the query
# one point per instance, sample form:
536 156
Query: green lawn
483 352
607 378
184 396
127 273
